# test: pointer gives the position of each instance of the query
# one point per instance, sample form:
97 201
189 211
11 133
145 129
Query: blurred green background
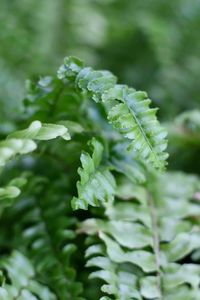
152 45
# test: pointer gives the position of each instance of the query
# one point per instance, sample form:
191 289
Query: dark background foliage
152 45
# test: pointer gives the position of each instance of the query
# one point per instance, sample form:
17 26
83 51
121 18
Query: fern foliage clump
87 200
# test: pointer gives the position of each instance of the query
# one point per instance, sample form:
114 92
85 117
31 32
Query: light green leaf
22 280
181 246
97 184
176 275
39 131
144 259
136 121
149 287
9 192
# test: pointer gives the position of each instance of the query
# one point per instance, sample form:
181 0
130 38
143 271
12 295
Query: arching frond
20 280
154 245
128 110
47 230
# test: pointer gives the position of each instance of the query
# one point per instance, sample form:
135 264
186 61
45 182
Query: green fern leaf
97 184
128 111
136 121
39 131
22 280
47 230
129 235
22 142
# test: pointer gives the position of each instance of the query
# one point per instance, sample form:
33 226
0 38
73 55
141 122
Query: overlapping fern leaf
128 110
44 206
154 238
47 230
119 279
20 280
21 143
97 184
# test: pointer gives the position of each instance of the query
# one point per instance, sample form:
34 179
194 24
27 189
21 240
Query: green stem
156 240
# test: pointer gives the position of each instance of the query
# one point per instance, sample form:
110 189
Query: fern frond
128 110
97 184
52 99
47 230
41 97
22 142
132 116
120 280
21 280
154 245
